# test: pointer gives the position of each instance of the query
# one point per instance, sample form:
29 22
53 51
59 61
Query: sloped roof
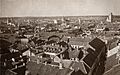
63 43
10 55
113 71
113 51
40 41
4 43
10 72
87 68
67 63
50 42
34 68
77 73
91 51
20 70
22 47
29 33
43 69
77 43
97 44
74 54
112 43
80 39
79 66
64 71
53 36
89 59
116 18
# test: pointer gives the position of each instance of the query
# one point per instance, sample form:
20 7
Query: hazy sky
58 7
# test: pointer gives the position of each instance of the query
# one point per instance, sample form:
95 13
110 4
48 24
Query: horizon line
58 16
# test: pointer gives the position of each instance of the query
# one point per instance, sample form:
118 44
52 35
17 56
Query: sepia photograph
59 37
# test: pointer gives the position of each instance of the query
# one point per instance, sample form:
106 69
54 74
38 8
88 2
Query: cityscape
60 45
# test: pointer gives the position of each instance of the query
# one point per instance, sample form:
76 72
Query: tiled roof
43 69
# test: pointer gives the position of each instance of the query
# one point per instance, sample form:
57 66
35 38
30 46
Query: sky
21 8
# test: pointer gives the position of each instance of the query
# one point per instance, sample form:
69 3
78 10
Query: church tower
110 18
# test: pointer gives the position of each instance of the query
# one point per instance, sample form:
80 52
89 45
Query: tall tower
110 18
